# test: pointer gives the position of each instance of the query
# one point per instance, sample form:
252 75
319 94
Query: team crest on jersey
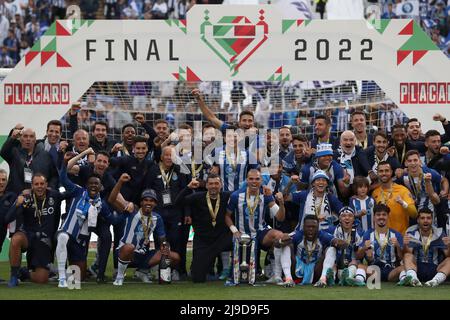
175 176
51 201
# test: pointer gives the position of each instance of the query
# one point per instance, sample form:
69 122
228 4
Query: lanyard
416 188
29 161
233 162
146 227
309 252
403 154
195 171
255 203
37 211
384 244
166 178
213 212
319 207
426 245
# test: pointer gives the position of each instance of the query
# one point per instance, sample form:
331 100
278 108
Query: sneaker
175 275
288 283
330 277
143 276
13 282
320 284
224 274
406 281
93 271
432 283
118 282
416 282
24 274
62 283
230 283
274 280
344 276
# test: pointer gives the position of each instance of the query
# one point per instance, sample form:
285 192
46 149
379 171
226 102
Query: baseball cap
320 174
324 149
149 193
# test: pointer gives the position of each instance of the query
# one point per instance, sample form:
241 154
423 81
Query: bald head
28 139
348 141
81 140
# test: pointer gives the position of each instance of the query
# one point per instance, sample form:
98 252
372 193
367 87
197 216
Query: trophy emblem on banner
234 39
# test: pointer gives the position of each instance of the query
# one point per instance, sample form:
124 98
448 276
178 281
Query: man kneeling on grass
134 247
425 250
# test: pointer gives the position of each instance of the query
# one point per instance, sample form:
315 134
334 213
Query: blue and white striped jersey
433 249
365 222
353 238
232 174
384 250
311 252
134 229
335 173
245 221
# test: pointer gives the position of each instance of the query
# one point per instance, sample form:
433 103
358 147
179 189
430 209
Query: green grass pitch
133 290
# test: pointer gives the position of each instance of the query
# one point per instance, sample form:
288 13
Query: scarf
346 162
316 210
376 161
88 208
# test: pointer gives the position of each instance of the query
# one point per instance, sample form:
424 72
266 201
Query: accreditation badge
28 174
166 197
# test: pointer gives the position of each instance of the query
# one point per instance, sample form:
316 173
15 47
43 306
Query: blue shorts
141 259
426 271
260 234
76 252
385 269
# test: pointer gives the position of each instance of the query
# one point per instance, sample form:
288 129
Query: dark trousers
204 254
103 245
118 230
3 231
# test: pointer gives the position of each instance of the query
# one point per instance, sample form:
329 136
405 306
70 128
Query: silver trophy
243 267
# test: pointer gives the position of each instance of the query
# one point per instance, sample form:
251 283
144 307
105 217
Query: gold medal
426 245
213 212
384 244
255 203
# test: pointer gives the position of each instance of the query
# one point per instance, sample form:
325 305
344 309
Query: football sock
277 262
411 273
122 267
402 275
360 275
225 256
440 277
14 271
286 261
61 254
352 271
330 259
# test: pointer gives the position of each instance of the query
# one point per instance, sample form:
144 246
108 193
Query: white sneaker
143 276
118 282
175 275
416 282
288 283
432 283
274 279
62 283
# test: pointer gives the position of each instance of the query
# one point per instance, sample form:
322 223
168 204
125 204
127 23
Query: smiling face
380 144
81 140
128 135
140 150
285 137
100 132
433 143
348 141
325 161
321 128
39 186
347 219
359 123
213 185
413 163
246 122
384 173
101 164
94 185
399 136
381 218
254 180
320 185
299 148
147 205
53 133
414 130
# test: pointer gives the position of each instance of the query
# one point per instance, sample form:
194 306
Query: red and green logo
234 39
47 46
